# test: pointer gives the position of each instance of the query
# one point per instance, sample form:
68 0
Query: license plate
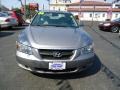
57 66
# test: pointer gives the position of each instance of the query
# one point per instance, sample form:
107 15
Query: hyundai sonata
54 43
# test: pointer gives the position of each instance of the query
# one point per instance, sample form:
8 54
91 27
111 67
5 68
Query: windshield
3 15
116 20
54 19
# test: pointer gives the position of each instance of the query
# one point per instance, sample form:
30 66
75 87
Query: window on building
116 15
90 15
96 15
53 8
56 1
103 15
59 9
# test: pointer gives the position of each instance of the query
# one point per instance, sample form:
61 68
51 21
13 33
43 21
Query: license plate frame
57 66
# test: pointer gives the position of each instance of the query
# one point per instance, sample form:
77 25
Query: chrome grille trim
48 54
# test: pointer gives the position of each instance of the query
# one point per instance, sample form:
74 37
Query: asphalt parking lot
103 75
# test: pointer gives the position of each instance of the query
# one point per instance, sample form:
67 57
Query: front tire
10 27
20 24
115 29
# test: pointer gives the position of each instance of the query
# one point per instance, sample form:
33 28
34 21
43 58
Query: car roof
54 11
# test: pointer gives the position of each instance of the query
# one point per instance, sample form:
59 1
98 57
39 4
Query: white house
94 10
88 10
59 5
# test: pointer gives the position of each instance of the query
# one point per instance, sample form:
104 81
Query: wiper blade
51 25
38 25
60 26
54 25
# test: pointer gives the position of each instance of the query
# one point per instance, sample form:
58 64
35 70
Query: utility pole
21 3
80 10
0 6
25 8
49 3
43 7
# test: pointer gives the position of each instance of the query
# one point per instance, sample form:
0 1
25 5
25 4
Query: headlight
85 50
107 24
100 23
24 48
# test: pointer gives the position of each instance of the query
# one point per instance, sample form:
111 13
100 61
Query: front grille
55 54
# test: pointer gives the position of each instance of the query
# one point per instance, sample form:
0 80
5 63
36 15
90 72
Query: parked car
7 21
54 43
17 16
113 26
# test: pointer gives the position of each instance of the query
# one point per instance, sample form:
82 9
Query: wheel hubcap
115 29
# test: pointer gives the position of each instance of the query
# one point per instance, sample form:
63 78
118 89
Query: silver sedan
54 43
7 21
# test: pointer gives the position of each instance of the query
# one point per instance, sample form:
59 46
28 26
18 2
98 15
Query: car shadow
4 34
95 68
104 30
17 28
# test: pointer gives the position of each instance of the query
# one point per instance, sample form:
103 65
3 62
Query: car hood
48 37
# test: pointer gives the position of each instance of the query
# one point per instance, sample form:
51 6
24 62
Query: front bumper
42 66
5 25
8 25
102 27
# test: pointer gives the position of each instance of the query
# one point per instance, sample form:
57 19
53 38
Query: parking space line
115 79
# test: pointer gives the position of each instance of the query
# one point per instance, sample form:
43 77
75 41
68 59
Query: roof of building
90 3
92 9
61 4
3 8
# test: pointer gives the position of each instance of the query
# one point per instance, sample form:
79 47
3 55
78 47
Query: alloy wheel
115 29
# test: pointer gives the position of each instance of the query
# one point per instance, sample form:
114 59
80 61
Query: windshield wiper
60 26
51 25
55 25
